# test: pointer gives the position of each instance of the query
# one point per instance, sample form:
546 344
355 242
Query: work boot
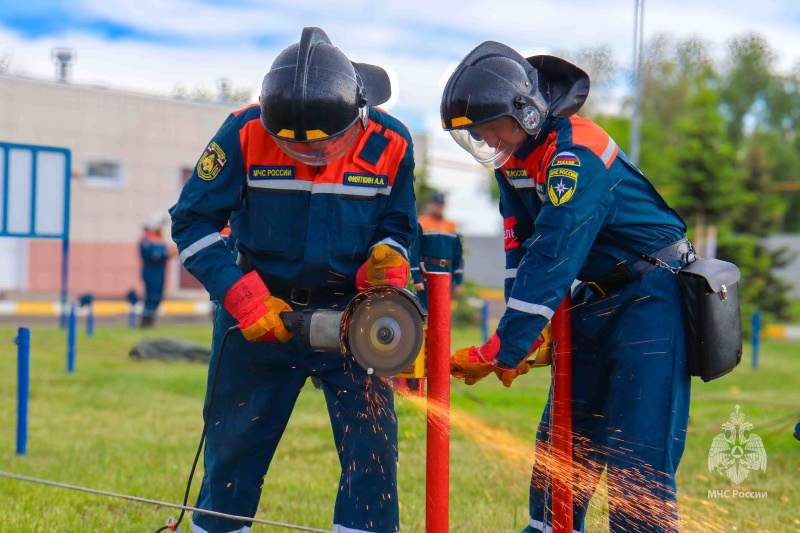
146 321
797 431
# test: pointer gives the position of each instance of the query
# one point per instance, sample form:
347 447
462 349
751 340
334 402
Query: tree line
720 140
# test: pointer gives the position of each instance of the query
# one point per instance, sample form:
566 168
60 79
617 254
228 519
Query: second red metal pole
437 497
561 429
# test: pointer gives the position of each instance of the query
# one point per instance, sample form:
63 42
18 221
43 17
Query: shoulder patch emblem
561 185
211 162
566 159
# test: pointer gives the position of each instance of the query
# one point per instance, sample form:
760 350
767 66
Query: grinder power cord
382 328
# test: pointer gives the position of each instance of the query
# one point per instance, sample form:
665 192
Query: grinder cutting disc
385 333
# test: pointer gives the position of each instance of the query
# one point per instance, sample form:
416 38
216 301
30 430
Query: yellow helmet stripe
289 134
315 134
461 121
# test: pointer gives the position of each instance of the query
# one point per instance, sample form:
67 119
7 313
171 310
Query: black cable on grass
174 525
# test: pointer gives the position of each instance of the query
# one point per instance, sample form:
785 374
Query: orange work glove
544 357
467 364
258 313
385 266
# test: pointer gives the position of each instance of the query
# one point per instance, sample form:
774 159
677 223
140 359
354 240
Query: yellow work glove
544 357
467 364
257 312
271 322
385 266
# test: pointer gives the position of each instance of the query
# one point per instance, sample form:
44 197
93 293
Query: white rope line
156 502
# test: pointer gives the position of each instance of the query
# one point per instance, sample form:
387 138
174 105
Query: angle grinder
382 328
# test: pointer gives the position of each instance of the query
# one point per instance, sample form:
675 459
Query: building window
104 173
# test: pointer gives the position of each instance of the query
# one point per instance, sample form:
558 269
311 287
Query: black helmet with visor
313 97
495 81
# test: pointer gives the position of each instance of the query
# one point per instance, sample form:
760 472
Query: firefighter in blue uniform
575 207
437 248
154 253
318 187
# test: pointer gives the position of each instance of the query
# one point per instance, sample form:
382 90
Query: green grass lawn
132 427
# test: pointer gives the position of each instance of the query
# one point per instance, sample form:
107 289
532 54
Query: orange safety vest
431 223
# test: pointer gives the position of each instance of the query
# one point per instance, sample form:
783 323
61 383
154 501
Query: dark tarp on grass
170 349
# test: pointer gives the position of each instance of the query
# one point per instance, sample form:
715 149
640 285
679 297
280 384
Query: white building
131 154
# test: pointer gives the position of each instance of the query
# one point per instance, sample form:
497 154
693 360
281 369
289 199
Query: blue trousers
153 290
257 387
630 407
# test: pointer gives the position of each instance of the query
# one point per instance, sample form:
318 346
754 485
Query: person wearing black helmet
318 186
576 208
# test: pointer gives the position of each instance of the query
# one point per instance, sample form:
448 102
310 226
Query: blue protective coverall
437 251
153 251
306 230
561 193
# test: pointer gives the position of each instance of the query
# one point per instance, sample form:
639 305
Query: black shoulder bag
711 315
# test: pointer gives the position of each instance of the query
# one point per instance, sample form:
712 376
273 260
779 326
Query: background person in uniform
318 186
433 217
154 253
575 207
438 247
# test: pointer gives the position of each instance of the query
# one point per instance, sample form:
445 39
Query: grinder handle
290 319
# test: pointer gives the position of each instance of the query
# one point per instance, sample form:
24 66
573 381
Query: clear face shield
492 143
321 152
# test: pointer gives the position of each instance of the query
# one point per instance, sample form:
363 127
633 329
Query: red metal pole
561 431
437 498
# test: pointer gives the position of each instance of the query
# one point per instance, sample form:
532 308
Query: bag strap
641 255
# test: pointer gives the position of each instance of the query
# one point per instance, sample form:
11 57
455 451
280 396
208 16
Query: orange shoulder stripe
242 110
394 153
588 134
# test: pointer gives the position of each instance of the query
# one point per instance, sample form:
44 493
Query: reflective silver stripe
531 309
196 246
511 273
391 242
341 529
197 529
284 185
354 190
445 233
609 151
523 184
458 271
317 188
538 524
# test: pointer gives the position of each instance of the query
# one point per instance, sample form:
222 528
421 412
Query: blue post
86 300
90 322
71 339
64 270
485 321
23 342
132 310
756 339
